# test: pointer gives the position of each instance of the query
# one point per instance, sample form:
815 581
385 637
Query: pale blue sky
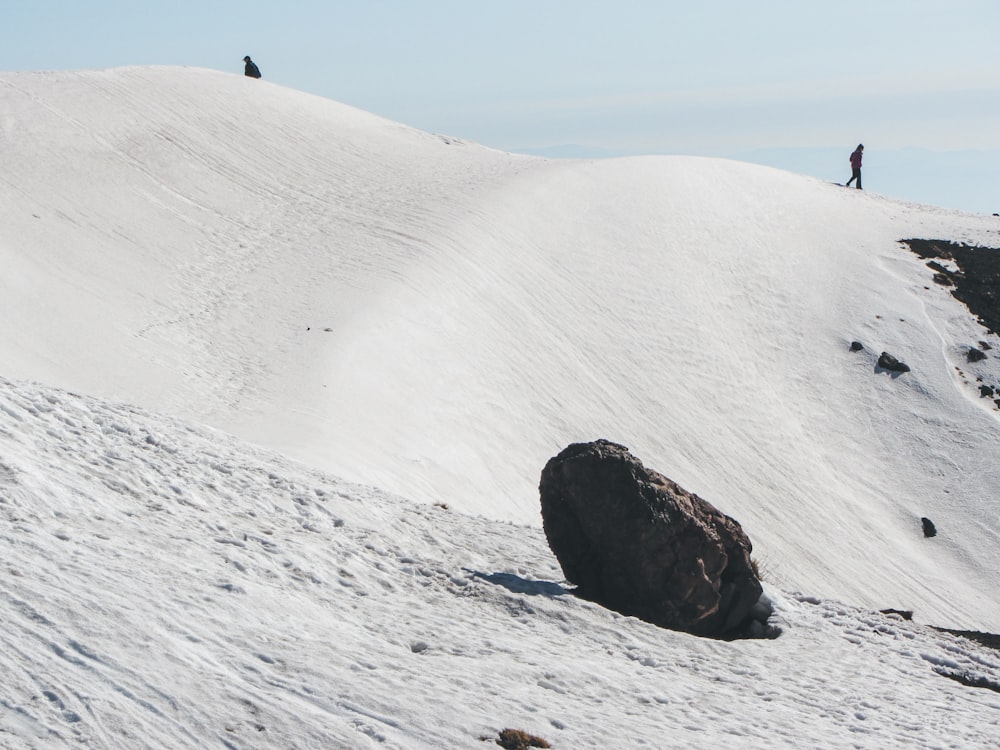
720 78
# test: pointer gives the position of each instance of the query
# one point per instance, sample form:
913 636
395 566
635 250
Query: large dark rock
636 542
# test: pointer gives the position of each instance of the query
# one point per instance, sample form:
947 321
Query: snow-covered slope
437 319
166 586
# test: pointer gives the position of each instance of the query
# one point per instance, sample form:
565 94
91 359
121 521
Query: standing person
251 68
856 165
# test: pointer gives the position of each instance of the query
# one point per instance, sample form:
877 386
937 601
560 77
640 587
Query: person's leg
859 179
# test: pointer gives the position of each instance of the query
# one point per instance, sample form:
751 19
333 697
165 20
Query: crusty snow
278 379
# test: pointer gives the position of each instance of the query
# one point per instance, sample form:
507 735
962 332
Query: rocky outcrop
972 272
634 541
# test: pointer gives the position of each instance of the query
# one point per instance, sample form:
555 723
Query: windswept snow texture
167 586
430 321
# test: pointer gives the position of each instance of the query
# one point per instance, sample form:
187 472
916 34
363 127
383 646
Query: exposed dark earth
972 274
977 280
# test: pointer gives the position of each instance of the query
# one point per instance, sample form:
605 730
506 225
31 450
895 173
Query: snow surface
279 378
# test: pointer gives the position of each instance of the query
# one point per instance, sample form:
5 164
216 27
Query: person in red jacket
856 166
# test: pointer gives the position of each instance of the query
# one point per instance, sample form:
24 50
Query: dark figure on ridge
251 69
856 166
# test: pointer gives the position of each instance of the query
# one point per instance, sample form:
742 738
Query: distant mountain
573 151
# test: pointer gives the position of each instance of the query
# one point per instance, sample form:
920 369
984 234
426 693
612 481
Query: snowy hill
434 319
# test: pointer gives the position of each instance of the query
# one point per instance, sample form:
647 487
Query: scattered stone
516 739
636 542
987 391
942 275
975 355
888 362
929 528
857 346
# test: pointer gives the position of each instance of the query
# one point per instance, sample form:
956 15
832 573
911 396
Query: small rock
929 528
888 362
